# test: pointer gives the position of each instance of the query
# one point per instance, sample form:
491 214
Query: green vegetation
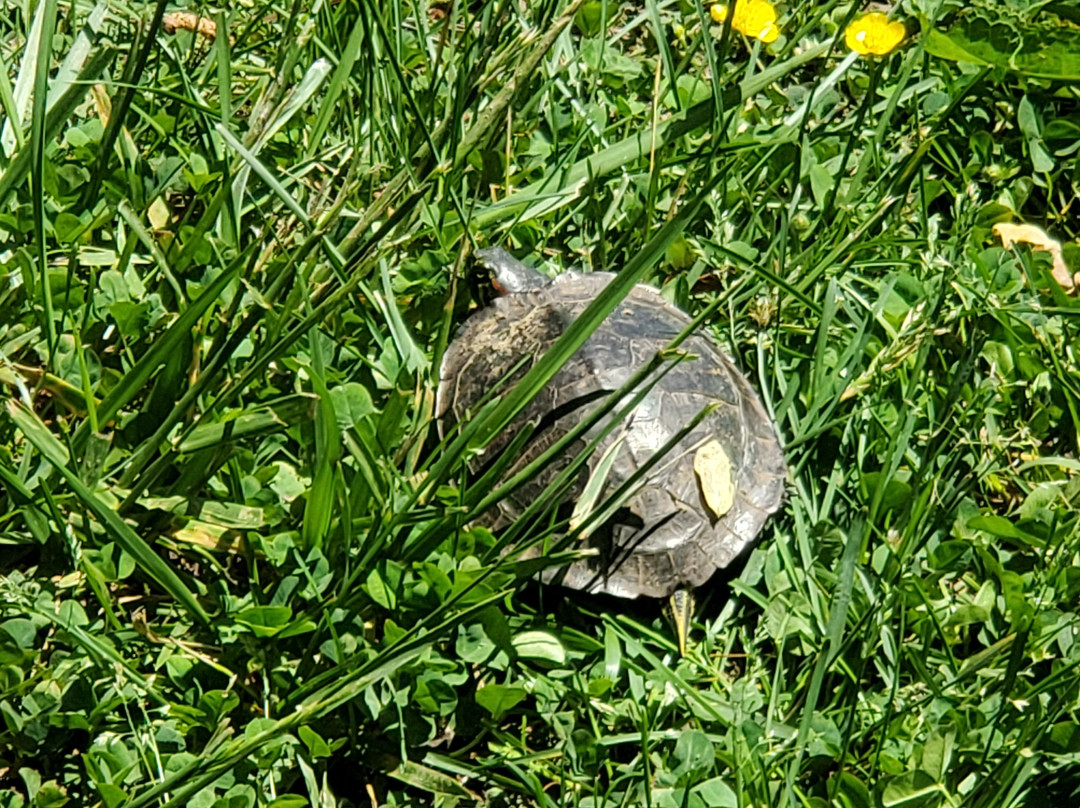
237 562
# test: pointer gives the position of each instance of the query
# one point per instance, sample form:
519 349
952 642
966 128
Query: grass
237 564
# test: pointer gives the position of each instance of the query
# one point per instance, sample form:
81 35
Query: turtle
672 535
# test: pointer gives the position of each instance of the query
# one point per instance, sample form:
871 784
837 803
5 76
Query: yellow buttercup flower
755 18
874 34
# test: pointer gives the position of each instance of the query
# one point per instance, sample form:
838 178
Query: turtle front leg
682 611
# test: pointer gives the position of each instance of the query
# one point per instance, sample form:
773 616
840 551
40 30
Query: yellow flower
755 18
874 34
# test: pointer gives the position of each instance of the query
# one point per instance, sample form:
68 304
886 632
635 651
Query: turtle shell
667 537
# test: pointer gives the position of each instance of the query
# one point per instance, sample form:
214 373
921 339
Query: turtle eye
482 286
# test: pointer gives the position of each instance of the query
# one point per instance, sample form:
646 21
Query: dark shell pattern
666 538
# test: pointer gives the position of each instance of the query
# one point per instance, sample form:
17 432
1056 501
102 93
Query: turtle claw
682 612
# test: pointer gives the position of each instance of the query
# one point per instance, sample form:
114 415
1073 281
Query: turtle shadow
580 610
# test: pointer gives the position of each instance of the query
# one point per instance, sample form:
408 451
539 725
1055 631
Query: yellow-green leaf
713 468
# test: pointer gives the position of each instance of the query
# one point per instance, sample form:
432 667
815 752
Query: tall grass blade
149 561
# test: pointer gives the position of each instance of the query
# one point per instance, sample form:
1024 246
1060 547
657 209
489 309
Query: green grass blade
136 378
43 64
149 561
273 417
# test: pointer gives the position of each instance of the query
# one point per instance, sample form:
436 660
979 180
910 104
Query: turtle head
508 274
